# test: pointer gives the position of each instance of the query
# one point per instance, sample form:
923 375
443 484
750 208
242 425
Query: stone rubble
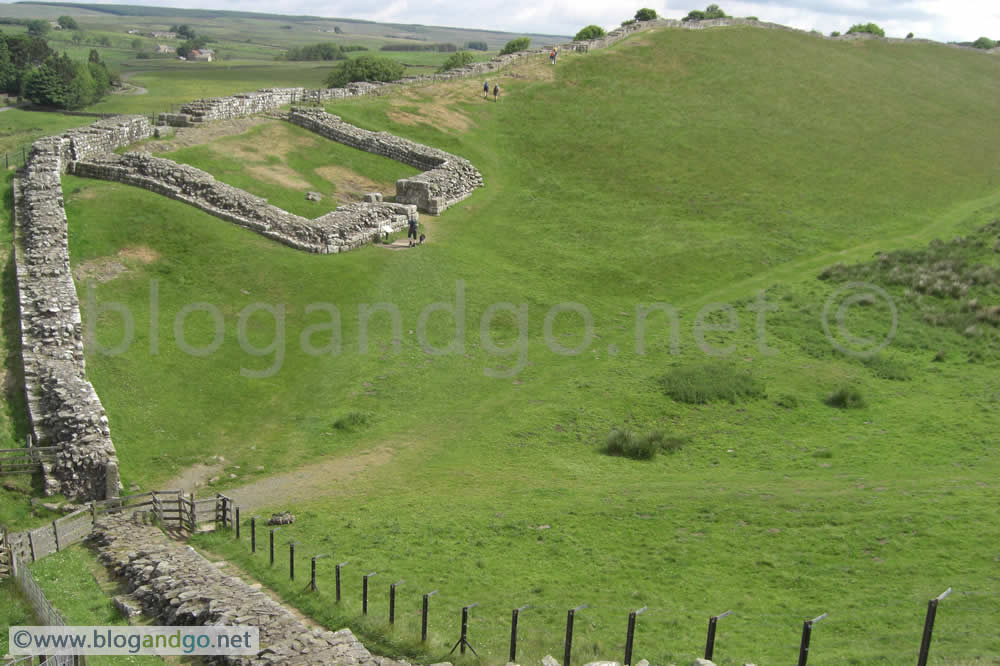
177 586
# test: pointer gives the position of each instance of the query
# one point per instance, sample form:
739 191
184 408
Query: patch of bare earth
203 133
279 174
436 106
103 269
352 186
309 482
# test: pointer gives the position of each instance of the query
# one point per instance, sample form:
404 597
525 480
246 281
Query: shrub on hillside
645 14
984 43
709 382
353 421
713 11
888 368
628 22
846 397
515 45
365 68
590 32
477 46
455 60
835 33
624 442
867 27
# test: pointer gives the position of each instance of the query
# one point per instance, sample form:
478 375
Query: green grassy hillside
688 168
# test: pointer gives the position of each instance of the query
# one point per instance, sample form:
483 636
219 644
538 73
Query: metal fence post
364 592
291 559
253 533
423 617
338 579
925 642
513 633
392 601
463 640
569 633
312 578
710 641
806 636
273 530
630 635
237 523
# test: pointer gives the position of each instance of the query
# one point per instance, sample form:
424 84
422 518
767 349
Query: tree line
29 68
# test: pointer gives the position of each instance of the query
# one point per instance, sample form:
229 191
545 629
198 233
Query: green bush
887 368
353 421
628 22
713 11
645 14
590 32
477 46
867 27
455 60
846 397
835 33
365 68
788 401
708 382
624 442
515 45
909 35
984 43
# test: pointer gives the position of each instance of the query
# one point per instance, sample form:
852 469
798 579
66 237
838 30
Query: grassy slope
684 167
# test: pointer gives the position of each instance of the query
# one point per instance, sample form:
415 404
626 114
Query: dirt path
288 488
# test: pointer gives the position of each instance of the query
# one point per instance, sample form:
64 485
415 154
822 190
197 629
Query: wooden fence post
55 533
31 545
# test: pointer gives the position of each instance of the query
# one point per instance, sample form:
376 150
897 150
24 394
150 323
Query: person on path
552 56
496 92
486 89
411 235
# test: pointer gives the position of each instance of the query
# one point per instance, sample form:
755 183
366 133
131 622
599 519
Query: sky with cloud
941 20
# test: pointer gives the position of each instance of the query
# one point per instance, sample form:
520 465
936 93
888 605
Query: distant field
687 168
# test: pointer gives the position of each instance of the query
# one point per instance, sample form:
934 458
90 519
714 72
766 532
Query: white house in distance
203 55
164 48
163 35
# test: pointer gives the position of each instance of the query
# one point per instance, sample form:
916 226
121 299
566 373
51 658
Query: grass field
689 168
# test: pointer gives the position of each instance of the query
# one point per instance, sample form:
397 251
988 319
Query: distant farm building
164 35
164 48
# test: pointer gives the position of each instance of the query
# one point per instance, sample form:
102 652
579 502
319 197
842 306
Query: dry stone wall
446 180
346 228
63 407
176 586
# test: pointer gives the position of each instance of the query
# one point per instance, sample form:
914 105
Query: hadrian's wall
176 586
63 408
446 178
346 228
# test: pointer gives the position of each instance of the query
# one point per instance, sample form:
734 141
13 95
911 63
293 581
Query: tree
835 33
104 40
590 32
38 27
184 50
515 45
68 23
137 44
867 27
78 38
183 30
645 14
456 60
477 46
984 43
337 30
365 68
909 35
714 11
